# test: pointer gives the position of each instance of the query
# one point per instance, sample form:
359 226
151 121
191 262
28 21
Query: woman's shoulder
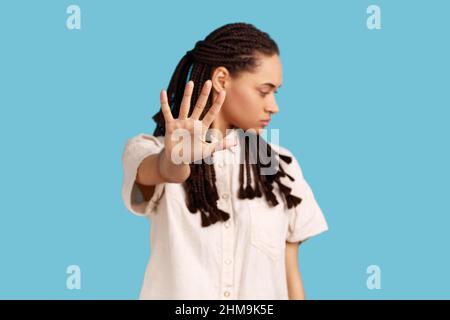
145 138
142 144
289 161
280 149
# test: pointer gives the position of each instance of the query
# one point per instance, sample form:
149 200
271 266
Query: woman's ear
219 78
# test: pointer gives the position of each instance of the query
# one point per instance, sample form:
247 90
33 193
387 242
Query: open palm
185 136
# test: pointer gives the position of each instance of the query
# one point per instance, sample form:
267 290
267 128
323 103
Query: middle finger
214 110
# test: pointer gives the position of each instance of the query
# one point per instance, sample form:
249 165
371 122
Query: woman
212 237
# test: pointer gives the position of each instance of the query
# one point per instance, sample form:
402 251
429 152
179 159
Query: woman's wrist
172 172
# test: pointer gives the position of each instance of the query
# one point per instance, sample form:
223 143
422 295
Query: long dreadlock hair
233 46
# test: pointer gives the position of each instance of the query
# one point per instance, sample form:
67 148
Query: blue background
364 111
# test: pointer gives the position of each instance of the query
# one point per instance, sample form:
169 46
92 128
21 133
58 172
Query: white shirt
242 258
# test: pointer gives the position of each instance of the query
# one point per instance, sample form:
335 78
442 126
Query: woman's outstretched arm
157 169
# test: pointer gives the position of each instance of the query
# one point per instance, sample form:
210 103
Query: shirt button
225 196
227 224
228 261
220 165
226 293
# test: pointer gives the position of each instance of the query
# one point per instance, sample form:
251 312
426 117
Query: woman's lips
265 122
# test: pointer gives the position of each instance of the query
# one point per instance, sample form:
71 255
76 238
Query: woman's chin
257 129
261 129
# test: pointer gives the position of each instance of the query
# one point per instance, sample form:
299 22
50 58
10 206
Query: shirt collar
232 134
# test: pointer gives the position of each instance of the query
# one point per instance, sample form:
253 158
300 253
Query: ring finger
201 101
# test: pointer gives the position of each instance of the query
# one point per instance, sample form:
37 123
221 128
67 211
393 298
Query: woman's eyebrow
271 85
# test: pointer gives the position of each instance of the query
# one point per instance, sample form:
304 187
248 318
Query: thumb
226 143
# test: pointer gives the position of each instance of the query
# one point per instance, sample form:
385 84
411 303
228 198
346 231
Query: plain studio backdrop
364 111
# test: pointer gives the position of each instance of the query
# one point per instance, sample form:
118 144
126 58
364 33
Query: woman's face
250 101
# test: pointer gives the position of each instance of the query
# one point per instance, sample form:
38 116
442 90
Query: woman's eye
263 94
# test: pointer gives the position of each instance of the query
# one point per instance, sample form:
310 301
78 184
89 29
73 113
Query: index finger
165 108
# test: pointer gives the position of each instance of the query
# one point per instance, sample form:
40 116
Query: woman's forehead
267 71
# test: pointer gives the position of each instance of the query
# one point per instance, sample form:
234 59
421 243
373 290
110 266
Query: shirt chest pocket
268 228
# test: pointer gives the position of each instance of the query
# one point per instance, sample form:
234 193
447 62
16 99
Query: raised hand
185 136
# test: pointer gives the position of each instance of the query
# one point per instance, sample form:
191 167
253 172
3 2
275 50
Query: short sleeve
136 150
306 219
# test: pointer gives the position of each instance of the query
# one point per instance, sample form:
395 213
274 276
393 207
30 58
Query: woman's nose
272 107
